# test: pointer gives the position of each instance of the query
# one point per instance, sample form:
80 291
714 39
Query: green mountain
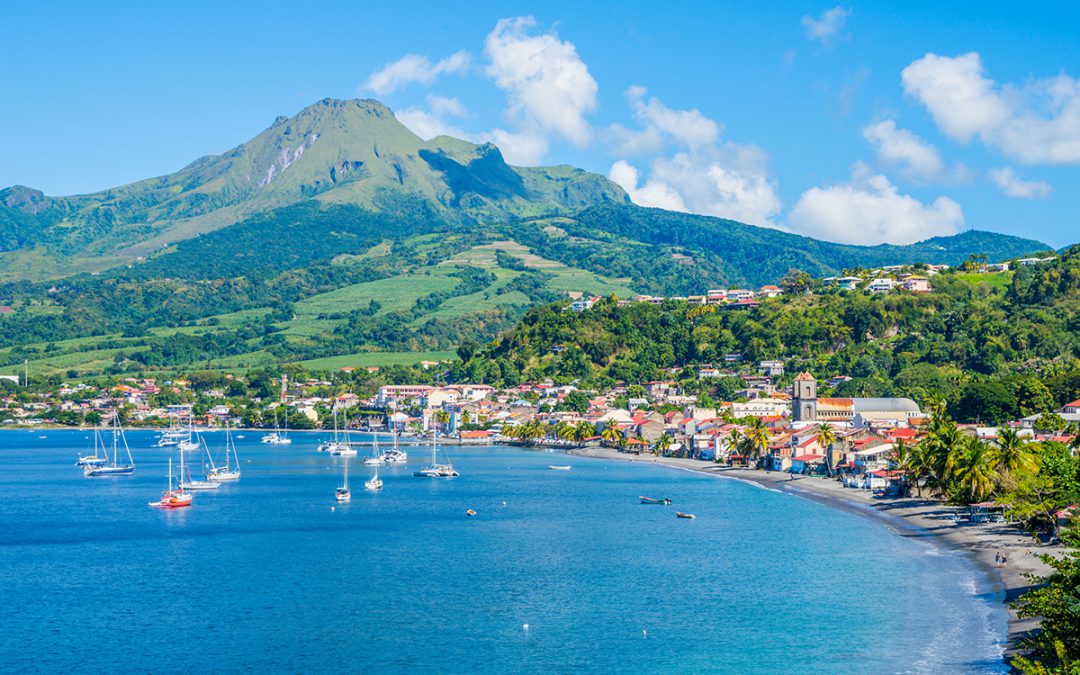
340 232
333 152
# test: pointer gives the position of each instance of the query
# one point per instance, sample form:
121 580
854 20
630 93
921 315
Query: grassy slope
396 293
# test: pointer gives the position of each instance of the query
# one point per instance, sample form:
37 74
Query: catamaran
231 470
172 499
95 459
341 447
335 444
172 436
436 470
277 436
113 467
187 482
396 455
342 494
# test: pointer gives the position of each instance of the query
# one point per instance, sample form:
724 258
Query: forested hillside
993 351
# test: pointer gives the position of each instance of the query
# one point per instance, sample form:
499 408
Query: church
860 412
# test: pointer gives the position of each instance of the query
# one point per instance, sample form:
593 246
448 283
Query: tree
1050 422
440 418
974 472
576 401
663 444
564 430
612 434
1056 601
758 436
1011 455
824 435
583 431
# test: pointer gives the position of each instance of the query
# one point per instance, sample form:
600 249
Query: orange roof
482 433
803 376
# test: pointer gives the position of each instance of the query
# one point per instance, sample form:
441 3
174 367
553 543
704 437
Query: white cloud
1036 123
652 193
548 86
902 147
414 68
729 181
441 105
519 149
870 210
827 25
1014 186
660 124
428 125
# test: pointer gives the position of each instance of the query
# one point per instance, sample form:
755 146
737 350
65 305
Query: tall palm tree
1012 455
441 417
824 435
734 441
564 430
612 434
663 444
511 430
532 430
583 431
758 435
974 472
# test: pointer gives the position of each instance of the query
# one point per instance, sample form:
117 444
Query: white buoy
332 508
644 633
525 627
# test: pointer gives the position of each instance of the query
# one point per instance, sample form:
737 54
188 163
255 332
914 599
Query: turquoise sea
560 571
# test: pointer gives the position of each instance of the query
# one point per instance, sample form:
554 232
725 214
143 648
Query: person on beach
997 559
1004 560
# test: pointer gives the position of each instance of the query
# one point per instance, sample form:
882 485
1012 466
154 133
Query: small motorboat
559 467
650 500
689 516
470 513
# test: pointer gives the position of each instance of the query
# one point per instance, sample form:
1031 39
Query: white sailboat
172 436
231 471
101 453
113 467
342 494
172 499
436 470
341 447
376 458
186 481
374 483
190 440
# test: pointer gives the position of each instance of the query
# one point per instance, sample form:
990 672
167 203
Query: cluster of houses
864 431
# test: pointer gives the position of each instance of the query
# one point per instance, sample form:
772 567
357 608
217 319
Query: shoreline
906 517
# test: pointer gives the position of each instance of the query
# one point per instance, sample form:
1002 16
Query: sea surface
559 571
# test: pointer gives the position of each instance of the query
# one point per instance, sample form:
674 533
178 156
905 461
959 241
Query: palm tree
466 418
663 444
583 431
907 460
734 441
441 417
825 436
1011 455
564 430
612 434
758 435
532 430
510 430
974 472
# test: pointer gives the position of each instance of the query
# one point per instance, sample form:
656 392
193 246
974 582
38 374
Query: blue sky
859 122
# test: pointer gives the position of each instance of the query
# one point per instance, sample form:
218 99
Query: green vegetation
991 354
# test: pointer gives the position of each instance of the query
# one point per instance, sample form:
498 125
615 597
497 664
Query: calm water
264 575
